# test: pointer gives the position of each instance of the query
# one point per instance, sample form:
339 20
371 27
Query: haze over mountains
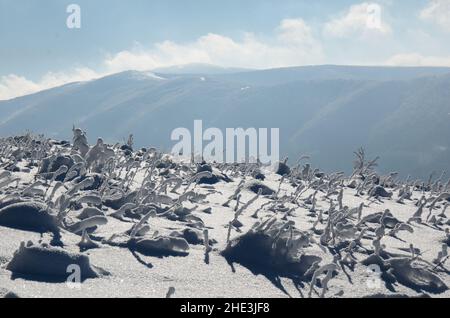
399 114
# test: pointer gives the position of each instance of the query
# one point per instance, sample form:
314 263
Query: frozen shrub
192 236
49 262
170 292
272 247
90 199
282 168
379 191
86 243
89 182
162 246
90 212
80 142
214 177
89 223
28 216
117 201
401 227
51 165
126 208
258 175
362 166
328 270
442 255
385 217
257 186
416 275
410 272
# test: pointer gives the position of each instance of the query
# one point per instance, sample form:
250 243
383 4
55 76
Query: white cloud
12 85
437 11
363 19
296 32
415 59
293 44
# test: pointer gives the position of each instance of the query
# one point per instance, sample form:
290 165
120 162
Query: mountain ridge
404 120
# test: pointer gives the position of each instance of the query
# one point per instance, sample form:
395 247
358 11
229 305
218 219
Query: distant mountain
198 68
334 72
400 114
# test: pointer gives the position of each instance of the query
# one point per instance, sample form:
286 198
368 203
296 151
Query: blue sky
38 51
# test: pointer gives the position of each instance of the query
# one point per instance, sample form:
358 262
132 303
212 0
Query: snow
137 275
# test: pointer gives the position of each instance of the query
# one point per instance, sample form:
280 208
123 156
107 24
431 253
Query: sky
41 45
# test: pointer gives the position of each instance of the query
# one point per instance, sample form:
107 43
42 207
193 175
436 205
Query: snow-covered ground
308 227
